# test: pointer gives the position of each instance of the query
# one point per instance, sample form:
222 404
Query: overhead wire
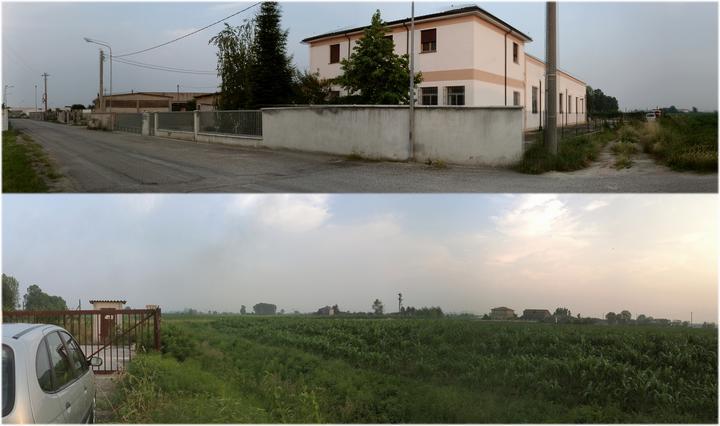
188 34
164 68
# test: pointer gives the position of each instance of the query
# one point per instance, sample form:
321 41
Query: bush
176 342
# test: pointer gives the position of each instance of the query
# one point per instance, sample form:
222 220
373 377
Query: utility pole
411 123
5 95
36 98
45 96
551 77
399 302
101 96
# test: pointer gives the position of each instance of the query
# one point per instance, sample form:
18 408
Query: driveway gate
129 122
111 334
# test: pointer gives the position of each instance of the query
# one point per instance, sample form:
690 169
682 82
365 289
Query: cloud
596 204
535 216
140 203
295 213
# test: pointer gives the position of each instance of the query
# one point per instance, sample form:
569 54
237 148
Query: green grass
25 165
334 370
684 141
574 153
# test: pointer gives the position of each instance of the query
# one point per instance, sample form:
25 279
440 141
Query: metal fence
240 123
178 121
113 335
129 122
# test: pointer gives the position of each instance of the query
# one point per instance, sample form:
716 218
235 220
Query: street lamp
101 43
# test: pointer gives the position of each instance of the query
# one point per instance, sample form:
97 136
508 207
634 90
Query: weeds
574 153
26 167
684 141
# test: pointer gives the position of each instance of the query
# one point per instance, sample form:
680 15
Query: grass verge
26 167
574 153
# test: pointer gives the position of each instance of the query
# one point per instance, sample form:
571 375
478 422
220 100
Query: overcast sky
645 54
649 254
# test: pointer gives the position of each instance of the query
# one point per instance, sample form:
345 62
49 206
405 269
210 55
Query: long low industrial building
149 101
467 57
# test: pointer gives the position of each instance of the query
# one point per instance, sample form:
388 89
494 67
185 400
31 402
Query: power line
166 69
188 34
132 62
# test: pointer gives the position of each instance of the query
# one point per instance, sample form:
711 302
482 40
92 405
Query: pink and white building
467 57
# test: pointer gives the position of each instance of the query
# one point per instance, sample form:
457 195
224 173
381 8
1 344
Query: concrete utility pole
102 43
399 302
36 98
45 96
101 96
412 81
551 77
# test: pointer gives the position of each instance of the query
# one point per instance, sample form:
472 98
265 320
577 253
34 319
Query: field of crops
293 369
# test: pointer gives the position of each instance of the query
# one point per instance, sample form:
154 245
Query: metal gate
115 335
129 122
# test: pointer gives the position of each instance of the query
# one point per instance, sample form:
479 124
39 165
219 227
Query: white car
650 116
45 376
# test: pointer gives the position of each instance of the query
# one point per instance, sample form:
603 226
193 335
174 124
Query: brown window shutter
428 36
334 53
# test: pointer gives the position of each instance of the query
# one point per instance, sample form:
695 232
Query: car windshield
8 380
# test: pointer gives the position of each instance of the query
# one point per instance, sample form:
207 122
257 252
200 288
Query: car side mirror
96 361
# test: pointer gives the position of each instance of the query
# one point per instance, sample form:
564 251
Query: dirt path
604 166
105 386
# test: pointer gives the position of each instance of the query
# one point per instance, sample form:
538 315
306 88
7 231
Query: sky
650 254
646 54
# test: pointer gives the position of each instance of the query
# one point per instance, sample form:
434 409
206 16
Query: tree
77 106
624 317
336 309
378 307
264 309
10 293
235 61
272 72
242 310
309 88
694 109
37 300
611 317
374 72
562 312
642 319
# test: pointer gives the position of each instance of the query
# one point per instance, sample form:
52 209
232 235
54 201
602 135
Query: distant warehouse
153 101
468 57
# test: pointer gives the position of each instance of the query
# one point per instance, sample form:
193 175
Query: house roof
107 301
474 10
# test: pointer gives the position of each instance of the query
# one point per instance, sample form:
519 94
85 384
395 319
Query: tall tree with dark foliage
272 72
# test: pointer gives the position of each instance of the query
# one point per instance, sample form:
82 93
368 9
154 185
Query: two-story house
467 57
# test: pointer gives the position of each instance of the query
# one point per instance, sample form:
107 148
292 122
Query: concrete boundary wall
460 135
376 132
469 135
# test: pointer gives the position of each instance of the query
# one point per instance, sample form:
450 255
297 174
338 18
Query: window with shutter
428 40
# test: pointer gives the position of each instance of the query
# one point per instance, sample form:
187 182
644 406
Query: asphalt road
94 161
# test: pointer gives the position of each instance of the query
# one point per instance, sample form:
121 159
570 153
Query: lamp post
101 43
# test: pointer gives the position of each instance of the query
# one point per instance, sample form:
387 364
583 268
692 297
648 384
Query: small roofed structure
327 310
105 323
536 314
502 313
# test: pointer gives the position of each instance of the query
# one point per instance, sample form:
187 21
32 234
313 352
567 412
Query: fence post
155 124
145 124
157 329
196 125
